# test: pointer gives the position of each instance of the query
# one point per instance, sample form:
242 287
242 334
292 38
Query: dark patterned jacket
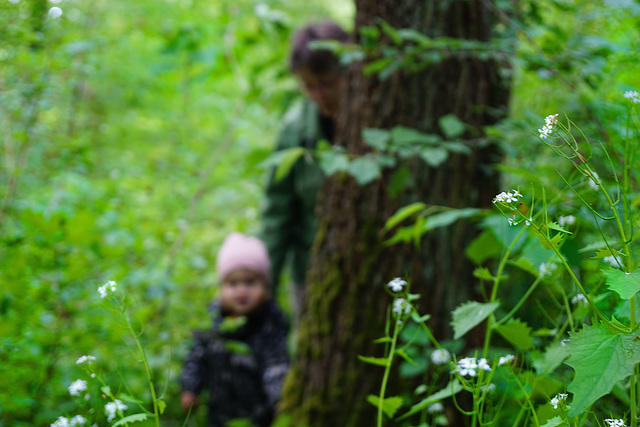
243 368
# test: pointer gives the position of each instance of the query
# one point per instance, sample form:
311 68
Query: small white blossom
401 306
512 221
566 220
76 387
55 12
549 121
111 408
615 422
594 181
579 299
633 96
613 260
78 420
509 197
469 366
546 269
397 284
440 356
435 408
109 287
506 359
61 422
83 359
559 398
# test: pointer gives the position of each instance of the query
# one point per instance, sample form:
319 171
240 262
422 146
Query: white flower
83 359
546 130
615 422
435 408
469 366
594 181
633 96
613 260
397 284
566 220
78 420
111 408
510 197
109 287
76 387
61 422
559 398
579 299
55 12
546 269
401 306
506 359
440 356
512 221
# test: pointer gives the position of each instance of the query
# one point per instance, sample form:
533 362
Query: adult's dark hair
318 61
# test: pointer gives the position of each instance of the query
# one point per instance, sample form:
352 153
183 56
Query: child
242 366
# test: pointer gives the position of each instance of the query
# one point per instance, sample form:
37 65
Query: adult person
288 211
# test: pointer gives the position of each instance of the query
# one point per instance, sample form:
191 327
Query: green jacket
288 210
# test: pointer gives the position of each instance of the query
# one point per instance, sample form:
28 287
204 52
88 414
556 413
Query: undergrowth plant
559 308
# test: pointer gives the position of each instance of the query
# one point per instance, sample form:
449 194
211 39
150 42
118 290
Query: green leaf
404 213
603 253
288 159
600 358
106 390
451 125
420 319
483 247
447 218
550 243
625 284
380 361
382 340
333 161
557 227
517 333
556 421
390 405
400 352
434 156
364 170
469 315
553 357
126 398
238 347
449 390
376 138
404 136
391 32
162 405
130 419
483 274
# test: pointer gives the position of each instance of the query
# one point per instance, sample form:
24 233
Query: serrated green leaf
390 405
483 273
556 421
379 361
162 405
451 125
517 333
364 170
547 362
557 227
404 213
603 253
449 390
376 138
471 314
600 359
554 242
625 284
525 264
131 419
434 156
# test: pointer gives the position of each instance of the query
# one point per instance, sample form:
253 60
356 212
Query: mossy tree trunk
346 302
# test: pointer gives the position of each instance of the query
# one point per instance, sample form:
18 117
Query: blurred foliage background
133 134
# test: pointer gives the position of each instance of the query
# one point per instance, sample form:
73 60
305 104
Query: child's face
242 292
323 89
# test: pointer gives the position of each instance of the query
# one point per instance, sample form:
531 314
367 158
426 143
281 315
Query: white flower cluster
401 306
435 408
546 269
566 220
633 96
109 287
613 260
504 197
506 359
440 356
78 420
77 386
594 181
549 121
397 284
470 366
579 299
559 398
111 408
83 359
611 422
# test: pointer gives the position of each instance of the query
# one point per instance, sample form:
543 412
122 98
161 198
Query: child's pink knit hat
243 252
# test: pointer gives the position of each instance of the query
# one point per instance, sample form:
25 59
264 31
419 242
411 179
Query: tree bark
346 301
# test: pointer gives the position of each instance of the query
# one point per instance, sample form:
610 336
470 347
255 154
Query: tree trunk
346 301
